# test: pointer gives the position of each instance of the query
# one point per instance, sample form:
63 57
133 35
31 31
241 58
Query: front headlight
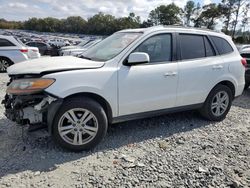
29 86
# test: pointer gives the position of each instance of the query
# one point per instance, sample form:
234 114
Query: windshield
83 43
111 46
20 42
91 43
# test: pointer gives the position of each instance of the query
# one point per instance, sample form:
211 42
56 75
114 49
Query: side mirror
138 58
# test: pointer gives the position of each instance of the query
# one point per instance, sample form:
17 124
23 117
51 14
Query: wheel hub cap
220 103
78 126
3 65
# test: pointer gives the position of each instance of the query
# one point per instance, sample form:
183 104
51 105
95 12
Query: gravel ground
177 150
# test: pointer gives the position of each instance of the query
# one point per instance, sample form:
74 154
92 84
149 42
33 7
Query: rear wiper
84 57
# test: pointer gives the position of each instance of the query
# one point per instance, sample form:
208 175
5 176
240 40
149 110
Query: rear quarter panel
14 55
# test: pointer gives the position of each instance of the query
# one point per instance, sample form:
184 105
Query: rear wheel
218 103
4 64
80 124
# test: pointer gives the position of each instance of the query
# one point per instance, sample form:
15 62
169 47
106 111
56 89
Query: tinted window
245 55
192 46
4 42
31 44
222 45
41 45
209 49
159 48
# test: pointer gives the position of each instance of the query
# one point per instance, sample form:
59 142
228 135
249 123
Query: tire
212 113
247 85
91 132
4 64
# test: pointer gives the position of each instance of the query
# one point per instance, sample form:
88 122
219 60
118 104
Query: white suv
131 74
12 51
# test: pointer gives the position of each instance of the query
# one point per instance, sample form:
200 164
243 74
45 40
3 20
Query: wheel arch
102 101
1 56
229 84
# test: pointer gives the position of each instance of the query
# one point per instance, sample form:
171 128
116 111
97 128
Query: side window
40 45
209 49
158 47
4 42
222 45
192 46
32 44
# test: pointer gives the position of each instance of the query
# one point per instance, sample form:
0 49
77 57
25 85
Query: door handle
216 67
167 74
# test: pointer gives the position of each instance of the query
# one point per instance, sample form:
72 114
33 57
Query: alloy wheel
3 65
220 103
78 126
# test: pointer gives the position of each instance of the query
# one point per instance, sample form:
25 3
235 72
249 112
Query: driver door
151 86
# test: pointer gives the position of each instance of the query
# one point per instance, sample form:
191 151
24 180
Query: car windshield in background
20 42
111 46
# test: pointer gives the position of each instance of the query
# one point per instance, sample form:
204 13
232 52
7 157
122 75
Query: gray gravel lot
176 150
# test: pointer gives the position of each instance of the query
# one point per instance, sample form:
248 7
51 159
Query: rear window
222 45
4 43
192 46
245 55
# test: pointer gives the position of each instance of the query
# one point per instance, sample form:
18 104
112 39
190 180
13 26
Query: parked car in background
81 44
245 53
134 73
44 48
14 51
58 42
80 49
244 47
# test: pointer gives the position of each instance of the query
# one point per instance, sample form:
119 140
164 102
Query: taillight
244 62
24 50
34 51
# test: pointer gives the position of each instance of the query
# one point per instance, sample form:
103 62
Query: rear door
199 68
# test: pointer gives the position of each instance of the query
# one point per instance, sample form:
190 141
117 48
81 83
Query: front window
158 47
111 46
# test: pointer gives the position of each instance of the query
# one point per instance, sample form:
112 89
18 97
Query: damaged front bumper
31 109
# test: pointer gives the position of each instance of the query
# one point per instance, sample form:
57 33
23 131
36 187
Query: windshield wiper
84 57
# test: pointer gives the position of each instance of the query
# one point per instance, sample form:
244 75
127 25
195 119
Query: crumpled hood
52 64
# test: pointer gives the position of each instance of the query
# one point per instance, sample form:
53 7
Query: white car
242 48
81 44
80 49
58 42
12 51
132 74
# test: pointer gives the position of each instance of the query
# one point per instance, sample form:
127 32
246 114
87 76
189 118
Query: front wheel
218 103
80 124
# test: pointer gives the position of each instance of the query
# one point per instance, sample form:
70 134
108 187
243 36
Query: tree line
232 14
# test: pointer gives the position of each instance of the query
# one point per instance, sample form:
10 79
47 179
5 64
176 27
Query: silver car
14 51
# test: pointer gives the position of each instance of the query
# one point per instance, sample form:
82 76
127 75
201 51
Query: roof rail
186 27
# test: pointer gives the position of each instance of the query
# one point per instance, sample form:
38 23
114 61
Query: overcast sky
24 9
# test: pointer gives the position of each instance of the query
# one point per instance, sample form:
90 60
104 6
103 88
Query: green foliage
10 24
166 15
209 16
99 24
189 10
232 12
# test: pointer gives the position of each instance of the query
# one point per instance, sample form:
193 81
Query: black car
44 48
